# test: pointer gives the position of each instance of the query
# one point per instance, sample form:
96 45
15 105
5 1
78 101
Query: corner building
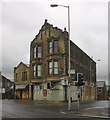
49 67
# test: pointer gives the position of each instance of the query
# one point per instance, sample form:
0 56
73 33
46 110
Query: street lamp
56 5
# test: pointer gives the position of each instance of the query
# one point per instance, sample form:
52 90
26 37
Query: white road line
92 108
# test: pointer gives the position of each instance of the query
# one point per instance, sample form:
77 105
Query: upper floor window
53 67
37 70
53 46
24 75
50 47
37 51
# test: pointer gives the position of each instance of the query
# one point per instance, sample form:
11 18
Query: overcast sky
21 22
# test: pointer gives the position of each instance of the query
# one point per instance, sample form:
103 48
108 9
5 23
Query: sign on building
3 90
71 71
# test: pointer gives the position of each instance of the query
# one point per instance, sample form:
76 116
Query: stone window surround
53 67
52 47
36 71
37 51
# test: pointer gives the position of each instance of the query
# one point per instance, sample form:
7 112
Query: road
17 109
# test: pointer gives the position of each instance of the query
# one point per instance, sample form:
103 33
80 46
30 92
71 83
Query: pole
78 96
69 91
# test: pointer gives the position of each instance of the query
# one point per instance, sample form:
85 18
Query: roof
27 65
21 86
100 83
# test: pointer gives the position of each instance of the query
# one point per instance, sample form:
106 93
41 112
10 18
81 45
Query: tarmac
94 112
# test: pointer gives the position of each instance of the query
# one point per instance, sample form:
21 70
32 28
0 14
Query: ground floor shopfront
22 91
53 91
58 91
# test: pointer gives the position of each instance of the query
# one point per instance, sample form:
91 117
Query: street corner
96 112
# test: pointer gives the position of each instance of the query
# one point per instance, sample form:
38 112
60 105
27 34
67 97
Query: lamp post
69 96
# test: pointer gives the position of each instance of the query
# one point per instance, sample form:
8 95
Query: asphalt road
17 109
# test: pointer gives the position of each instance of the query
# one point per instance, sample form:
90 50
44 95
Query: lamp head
53 5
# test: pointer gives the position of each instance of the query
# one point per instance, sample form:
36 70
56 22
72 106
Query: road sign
3 90
71 71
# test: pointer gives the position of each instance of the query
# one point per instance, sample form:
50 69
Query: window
53 67
36 70
50 67
53 46
37 50
34 51
50 47
24 75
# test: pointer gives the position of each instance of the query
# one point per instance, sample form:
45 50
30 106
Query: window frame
36 70
53 67
36 52
52 48
55 46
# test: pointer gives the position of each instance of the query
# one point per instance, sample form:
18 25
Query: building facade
7 90
22 81
49 67
101 90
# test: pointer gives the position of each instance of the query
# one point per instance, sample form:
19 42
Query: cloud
22 22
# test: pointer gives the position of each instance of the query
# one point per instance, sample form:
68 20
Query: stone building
7 91
49 67
101 90
22 81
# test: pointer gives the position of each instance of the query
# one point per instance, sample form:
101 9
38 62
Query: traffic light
79 80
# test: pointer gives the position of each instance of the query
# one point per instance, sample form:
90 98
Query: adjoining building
101 90
22 81
49 66
7 90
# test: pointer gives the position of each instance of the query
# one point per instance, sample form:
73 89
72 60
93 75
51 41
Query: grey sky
21 22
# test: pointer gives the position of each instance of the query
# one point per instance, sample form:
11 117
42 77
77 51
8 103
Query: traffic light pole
78 96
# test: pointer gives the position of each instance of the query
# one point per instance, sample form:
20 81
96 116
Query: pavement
94 112
101 113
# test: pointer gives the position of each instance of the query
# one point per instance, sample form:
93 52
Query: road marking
92 108
96 116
